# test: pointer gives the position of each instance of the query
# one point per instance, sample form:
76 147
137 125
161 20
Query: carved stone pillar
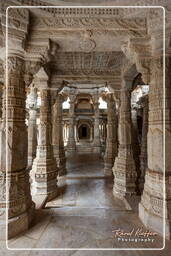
57 136
32 126
143 155
135 143
151 208
124 167
2 171
65 131
1 97
168 144
111 141
19 202
96 142
44 170
71 145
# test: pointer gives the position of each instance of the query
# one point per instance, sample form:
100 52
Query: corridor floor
85 215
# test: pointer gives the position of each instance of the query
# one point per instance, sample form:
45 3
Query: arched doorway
84 132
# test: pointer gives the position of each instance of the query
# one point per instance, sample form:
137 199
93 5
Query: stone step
84 149
104 212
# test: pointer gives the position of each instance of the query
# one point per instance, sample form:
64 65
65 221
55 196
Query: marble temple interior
85 127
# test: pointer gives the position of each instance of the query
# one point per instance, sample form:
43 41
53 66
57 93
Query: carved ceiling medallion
87 45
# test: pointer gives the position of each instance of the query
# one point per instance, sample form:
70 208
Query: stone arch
84 129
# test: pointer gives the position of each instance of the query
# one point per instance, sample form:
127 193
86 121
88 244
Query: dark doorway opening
84 131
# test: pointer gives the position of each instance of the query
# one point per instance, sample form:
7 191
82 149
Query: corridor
83 215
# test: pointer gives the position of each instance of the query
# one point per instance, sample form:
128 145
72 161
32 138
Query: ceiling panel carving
97 63
106 31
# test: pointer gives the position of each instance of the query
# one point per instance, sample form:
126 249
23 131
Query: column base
124 177
97 149
154 222
44 178
20 223
108 165
3 225
61 164
50 190
152 202
71 145
71 149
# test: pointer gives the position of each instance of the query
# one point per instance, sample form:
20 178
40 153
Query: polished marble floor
84 215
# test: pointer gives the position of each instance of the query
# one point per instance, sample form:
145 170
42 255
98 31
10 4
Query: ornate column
124 169
3 175
154 201
71 145
143 155
57 136
44 169
111 141
19 202
135 142
167 157
96 142
1 97
65 131
148 54
32 126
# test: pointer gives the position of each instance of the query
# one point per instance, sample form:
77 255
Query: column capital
41 79
108 97
139 51
61 98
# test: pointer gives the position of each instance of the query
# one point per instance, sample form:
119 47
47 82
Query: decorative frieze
109 23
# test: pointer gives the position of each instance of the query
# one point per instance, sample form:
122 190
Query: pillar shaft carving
44 170
1 99
124 167
96 142
135 142
143 155
71 144
151 206
32 126
57 136
111 141
19 203
96 125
